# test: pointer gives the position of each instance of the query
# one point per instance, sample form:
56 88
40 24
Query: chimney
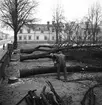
53 22
48 25
48 22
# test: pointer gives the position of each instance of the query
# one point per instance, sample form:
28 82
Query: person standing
60 63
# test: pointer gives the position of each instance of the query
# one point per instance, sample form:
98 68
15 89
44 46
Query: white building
37 33
45 33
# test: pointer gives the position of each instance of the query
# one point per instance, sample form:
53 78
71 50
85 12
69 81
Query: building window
20 30
28 30
52 37
45 37
37 37
25 38
20 37
42 31
29 37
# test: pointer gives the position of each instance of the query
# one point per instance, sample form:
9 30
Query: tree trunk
53 49
38 48
94 37
44 70
57 36
15 40
34 56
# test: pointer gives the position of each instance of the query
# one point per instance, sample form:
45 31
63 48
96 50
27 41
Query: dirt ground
71 92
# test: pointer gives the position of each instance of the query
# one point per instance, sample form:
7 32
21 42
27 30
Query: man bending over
60 63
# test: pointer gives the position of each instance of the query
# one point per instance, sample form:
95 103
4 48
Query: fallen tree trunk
45 54
55 49
37 56
43 70
34 56
73 54
30 50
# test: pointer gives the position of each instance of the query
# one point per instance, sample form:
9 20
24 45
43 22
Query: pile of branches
52 98
90 97
45 98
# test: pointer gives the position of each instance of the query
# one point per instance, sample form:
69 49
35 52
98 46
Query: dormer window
20 30
28 30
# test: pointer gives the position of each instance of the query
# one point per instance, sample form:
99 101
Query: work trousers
61 68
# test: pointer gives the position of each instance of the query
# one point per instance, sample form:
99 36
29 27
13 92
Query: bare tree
58 21
73 31
69 31
16 13
93 21
86 32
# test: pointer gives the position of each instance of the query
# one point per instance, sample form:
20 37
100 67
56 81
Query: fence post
10 49
3 46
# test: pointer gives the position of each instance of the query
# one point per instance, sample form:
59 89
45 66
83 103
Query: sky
72 10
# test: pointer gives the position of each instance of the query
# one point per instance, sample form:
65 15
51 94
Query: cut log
12 80
44 70
35 71
30 50
34 56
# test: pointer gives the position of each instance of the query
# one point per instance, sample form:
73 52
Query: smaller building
3 35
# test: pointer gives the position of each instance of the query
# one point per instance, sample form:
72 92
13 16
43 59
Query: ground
71 92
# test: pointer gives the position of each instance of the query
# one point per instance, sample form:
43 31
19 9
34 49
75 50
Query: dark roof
36 27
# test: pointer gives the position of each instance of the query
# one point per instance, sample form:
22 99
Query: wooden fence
5 56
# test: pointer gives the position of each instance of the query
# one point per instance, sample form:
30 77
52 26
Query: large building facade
43 33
